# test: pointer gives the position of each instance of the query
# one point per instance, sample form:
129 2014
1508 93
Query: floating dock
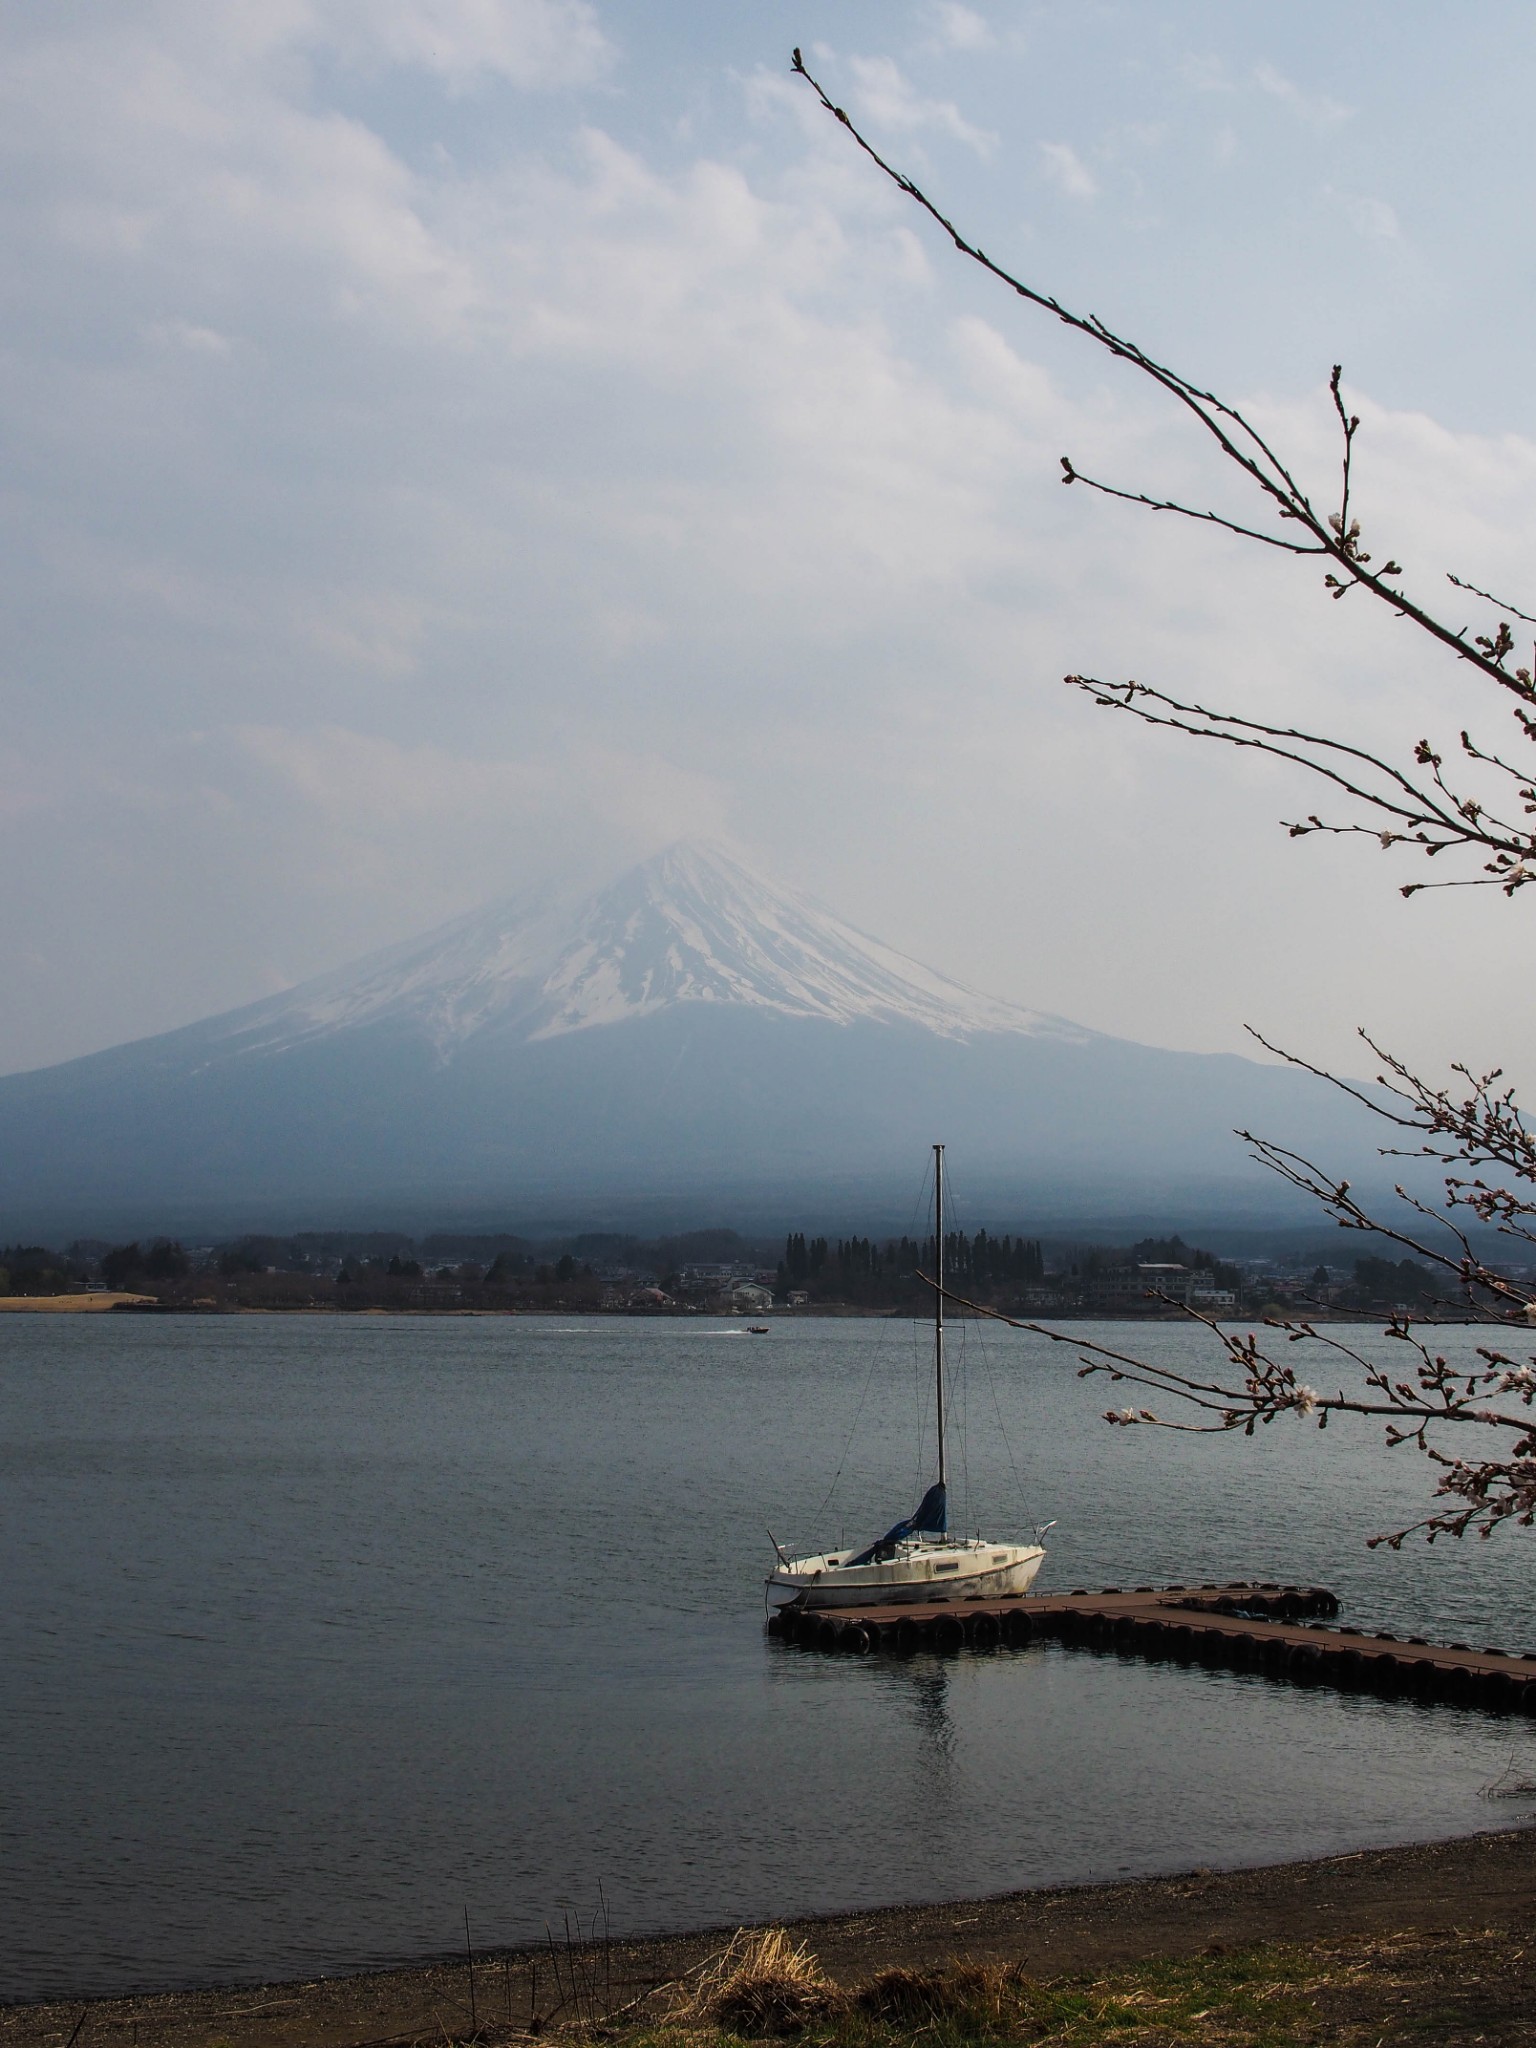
1276 1631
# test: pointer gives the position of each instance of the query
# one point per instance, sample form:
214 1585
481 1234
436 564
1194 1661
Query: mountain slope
691 1034
690 926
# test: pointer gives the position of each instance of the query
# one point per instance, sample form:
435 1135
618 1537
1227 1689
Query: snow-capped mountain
692 1038
691 925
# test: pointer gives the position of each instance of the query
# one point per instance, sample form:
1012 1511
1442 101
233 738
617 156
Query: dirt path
1486 1884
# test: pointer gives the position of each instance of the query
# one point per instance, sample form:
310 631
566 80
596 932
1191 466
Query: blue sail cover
930 1518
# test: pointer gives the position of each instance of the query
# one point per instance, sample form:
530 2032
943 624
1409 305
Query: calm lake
316 1631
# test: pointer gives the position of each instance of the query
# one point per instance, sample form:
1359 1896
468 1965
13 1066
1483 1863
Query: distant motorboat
918 1559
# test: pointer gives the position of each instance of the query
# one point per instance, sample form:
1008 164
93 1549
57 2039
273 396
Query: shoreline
144 1304
1485 1882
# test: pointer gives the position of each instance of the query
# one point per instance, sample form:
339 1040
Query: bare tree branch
1469 1128
1234 434
1498 603
1434 822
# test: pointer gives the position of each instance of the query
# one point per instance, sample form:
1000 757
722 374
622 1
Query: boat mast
938 1297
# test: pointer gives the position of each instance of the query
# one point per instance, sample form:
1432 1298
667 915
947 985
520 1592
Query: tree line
866 1270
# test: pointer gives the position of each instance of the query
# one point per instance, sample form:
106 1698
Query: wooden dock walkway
1269 1629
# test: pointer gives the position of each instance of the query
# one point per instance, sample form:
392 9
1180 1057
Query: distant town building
1144 1288
746 1298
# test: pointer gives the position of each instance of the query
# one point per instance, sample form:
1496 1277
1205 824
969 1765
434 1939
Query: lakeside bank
1429 1939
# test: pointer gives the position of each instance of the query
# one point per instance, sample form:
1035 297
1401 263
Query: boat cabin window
946 1567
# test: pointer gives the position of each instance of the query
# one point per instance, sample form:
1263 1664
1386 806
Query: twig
602 1899
474 2017
1462 820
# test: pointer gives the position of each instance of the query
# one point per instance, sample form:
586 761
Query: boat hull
932 1575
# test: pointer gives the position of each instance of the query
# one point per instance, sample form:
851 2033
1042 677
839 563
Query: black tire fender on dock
1423 1678
1345 1668
948 1633
1273 1652
827 1632
1458 1686
1385 1673
1303 1666
1496 1692
856 1639
1017 1629
909 1635
984 1632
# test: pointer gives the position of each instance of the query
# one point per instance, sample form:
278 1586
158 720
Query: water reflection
927 1700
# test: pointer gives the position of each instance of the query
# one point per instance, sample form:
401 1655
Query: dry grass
764 1983
1446 1987
1460 1988
67 1304
972 1996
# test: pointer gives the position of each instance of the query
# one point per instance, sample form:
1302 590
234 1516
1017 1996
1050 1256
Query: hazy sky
451 440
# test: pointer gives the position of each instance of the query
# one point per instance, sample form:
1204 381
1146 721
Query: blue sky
453 440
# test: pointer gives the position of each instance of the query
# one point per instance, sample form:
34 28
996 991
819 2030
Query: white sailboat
918 1560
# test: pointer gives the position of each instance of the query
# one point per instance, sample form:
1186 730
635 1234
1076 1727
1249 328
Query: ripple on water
316 1631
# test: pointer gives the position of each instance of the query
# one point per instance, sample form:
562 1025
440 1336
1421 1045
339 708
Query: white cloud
1374 219
1205 74
391 527
1004 377
532 43
543 811
1319 110
187 335
1067 171
886 98
962 28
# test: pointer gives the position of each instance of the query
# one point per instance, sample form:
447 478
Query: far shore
1439 1914
833 1311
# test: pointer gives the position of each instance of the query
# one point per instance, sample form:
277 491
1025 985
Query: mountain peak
691 924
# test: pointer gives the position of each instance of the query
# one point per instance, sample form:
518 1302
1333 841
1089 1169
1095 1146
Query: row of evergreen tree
804 1261
981 1261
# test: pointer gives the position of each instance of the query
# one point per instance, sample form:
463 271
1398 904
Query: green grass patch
1256 1998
